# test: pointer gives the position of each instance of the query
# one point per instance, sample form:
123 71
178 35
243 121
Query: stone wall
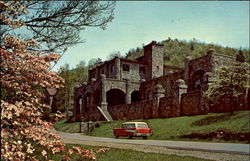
136 110
167 82
235 105
168 107
220 60
134 73
192 103
107 68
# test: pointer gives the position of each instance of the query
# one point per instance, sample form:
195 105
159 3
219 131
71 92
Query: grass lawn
129 155
62 125
173 128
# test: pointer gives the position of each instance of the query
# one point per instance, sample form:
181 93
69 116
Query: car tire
116 136
130 137
144 137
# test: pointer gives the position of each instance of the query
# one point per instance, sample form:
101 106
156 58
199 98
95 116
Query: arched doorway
115 97
135 96
196 80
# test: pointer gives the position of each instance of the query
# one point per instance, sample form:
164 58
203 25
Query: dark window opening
125 67
135 96
196 81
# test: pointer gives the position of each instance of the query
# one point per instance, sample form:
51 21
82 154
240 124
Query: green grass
63 126
128 155
171 128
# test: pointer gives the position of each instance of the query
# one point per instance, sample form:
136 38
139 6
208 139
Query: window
142 126
128 125
125 67
142 70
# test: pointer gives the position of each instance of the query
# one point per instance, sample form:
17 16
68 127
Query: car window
142 125
128 125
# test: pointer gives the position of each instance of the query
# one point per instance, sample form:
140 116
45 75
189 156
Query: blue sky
140 22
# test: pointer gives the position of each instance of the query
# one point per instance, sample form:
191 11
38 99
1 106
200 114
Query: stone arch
115 97
135 96
108 88
196 80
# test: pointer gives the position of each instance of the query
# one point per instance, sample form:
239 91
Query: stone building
146 88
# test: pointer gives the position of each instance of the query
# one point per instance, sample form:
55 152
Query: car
133 129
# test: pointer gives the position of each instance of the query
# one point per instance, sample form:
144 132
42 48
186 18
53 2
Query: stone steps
105 113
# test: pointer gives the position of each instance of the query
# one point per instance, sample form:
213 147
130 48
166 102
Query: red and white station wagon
133 129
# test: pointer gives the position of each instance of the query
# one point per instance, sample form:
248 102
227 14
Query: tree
55 25
240 57
113 55
25 74
78 76
94 62
229 84
80 73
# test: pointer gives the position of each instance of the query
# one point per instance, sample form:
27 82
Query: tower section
153 54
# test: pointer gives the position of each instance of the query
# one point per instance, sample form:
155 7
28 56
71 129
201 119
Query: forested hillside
174 53
176 50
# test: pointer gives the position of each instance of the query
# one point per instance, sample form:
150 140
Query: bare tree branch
56 24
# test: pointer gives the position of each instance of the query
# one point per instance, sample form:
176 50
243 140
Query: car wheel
130 136
116 136
144 137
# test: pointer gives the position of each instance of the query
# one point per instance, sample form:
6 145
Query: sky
139 22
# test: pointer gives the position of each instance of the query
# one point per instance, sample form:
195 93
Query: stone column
103 92
75 104
158 94
211 58
128 97
81 105
104 103
180 88
186 73
117 68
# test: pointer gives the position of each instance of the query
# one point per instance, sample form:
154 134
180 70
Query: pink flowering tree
25 73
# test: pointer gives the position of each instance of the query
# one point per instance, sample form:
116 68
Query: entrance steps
105 113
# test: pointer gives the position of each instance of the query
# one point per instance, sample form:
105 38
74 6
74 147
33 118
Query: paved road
178 145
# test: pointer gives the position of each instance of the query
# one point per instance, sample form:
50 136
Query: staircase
105 113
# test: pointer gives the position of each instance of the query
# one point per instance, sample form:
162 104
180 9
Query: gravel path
137 145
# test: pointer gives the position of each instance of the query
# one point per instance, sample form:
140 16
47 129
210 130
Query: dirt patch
220 135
